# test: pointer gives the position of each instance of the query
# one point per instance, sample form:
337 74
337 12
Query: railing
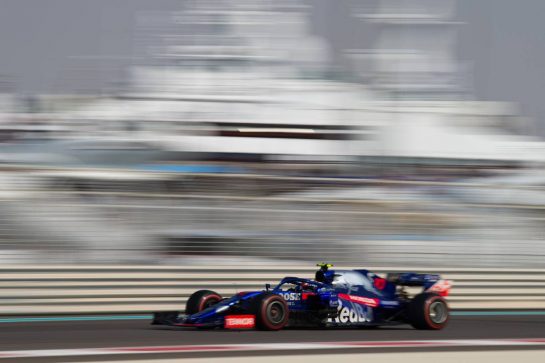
28 290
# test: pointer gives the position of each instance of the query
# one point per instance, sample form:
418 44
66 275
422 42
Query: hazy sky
58 45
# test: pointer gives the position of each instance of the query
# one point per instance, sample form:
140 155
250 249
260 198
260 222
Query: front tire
271 311
200 300
428 311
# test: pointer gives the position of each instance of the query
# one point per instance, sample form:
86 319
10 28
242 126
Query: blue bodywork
340 298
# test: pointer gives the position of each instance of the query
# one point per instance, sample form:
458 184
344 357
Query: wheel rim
438 312
208 303
276 312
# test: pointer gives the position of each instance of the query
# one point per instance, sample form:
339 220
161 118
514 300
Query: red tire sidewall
263 312
206 299
427 305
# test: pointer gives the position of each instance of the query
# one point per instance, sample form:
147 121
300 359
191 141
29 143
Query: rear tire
200 300
428 311
271 312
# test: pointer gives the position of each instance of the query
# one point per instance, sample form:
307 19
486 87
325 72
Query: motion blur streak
149 317
269 347
237 133
79 341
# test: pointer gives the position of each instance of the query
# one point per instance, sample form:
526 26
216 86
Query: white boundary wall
142 289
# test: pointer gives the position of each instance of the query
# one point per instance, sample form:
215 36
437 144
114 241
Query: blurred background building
234 135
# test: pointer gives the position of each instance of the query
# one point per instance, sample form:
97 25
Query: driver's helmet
322 274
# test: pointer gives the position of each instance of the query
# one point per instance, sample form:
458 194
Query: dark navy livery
334 298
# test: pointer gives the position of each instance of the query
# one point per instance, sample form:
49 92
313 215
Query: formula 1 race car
334 298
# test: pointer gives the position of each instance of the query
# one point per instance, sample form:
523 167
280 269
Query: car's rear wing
430 282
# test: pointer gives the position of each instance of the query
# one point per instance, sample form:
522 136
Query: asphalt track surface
138 333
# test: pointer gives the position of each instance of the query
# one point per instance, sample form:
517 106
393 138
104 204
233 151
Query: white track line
503 356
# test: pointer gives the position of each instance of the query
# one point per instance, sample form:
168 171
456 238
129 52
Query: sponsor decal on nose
239 321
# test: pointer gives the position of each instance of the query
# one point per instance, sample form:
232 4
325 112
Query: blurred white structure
414 56
425 109
240 78
248 78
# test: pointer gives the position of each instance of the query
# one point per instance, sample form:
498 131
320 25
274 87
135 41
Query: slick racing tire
271 312
428 311
200 300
